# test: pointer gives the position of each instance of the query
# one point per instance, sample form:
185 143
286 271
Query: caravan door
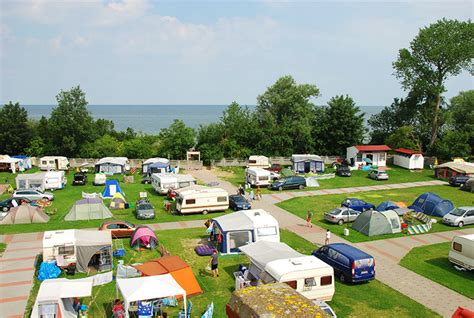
238 239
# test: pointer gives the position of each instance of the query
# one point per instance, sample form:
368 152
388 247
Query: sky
210 52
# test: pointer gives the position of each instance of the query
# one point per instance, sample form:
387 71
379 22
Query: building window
359 157
191 201
326 280
457 247
221 199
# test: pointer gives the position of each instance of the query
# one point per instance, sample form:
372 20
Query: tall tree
439 51
176 140
70 125
404 137
15 132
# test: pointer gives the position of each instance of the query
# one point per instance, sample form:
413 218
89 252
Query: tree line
285 121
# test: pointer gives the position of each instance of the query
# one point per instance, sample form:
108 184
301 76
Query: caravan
258 177
462 251
162 182
53 163
50 180
258 162
201 200
55 180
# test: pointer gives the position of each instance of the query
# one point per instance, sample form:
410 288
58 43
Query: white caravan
258 162
53 163
55 180
258 177
462 251
162 182
195 199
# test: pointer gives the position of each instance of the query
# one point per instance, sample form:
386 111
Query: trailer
53 163
257 177
201 200
462 251
162 182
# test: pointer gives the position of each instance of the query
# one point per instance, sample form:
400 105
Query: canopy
263 252
6 159
150 287
88 209
25 214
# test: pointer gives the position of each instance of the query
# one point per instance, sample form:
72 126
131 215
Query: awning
263 252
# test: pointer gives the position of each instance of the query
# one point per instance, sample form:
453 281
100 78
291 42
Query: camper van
201 200
53 163
258 177
162 182
55 180
275 262
462 251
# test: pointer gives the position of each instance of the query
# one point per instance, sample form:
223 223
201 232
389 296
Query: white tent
6 160
56 296
150 287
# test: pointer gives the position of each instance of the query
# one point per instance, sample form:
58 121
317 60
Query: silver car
459 217
33 195
378 175
341 215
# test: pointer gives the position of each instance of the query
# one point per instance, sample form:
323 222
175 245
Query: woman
118 310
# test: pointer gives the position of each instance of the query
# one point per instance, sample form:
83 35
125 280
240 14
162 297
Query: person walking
328 237
309 218
259 193
214 264
252 195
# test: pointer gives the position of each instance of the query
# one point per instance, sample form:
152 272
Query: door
353 215
469 218
238 239
56 164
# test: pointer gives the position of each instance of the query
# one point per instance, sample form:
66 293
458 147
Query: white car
33 195
378 175
459 217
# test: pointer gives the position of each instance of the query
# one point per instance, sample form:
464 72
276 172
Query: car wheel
461 224
301 187
340 222
280 188
205 212
342 278
5 209
46 198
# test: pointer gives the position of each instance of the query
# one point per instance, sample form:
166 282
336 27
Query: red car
118 229
276 167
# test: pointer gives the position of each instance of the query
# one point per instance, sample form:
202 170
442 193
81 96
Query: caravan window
44 162
252 161
48 310
191 201
221 199
264 178
326 280
293 284
267 231
66 250
457 247
309 282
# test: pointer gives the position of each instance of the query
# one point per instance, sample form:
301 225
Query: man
214 263
309 218
328 236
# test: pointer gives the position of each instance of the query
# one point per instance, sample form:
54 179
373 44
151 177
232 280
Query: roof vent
295 262
256 214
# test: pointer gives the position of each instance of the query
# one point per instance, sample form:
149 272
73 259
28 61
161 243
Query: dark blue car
350 264
357 204
238 202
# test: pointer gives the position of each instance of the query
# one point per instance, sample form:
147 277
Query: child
309 218
328 236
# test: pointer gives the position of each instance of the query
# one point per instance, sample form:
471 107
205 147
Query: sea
150 119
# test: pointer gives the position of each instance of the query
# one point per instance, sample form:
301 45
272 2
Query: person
214 263
118 310
251 195
328 236
259 193
309 218
241 190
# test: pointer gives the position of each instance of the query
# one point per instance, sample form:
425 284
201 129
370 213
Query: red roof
373 148
407 151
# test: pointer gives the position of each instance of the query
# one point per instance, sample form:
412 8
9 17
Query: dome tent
25 214
88 209
118 201
387 205
143 236
372 222
432 204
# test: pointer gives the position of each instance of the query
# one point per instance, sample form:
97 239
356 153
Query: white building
409 159
367 154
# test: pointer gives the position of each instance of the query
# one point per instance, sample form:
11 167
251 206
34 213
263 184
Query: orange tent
175 266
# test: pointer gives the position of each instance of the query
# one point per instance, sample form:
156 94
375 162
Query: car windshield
79 177
458 212
146 207
238 198
335 211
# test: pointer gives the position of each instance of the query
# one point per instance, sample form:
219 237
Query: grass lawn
432 262
372 299
65 198
3 246
324 203
235 175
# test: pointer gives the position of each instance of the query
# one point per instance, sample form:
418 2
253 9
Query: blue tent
111 187
387 205
432 204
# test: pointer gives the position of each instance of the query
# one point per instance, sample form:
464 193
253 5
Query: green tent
88 209
372 222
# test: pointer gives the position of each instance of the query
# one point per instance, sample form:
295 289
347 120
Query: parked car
118 229
238 202
293 182
33 195
459 217
80 179
457 181
144 210
343 171
350 264
276 167
378 175
341 215
7 204
357 204
274 176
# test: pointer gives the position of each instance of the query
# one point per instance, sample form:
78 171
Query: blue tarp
431 204
387 205
48 270
108 190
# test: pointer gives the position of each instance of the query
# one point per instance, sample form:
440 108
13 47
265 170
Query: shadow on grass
444 264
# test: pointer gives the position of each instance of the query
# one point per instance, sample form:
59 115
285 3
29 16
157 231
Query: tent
148 288
432 204
307 163
118 201
156 164
175 266
111 187
25 214
144 236
9 163
387 205
372 222
112 165
244 227
56 297
31 181
88 209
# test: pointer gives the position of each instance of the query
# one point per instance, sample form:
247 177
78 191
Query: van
462 251
293 182
201 200
53 163
350 264
162 182
257 177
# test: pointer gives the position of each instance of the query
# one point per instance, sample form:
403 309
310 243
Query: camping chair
188 315
119 249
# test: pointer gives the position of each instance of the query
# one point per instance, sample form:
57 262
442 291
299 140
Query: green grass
324 203
235 175
372 299
432 262
65 198
3 246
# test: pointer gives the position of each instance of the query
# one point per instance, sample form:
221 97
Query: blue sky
209 52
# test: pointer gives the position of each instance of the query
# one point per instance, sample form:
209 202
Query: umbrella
368 160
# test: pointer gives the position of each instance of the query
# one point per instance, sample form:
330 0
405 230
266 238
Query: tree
70 125
439 51
137 148
453 144
404 137
461 111
15 132
105 146
176 140
36 147
209 139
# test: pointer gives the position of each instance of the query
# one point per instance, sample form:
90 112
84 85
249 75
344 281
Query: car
274 176
350 263
80 178
9 203
293 182
276 167
459 217
341 215
457 181
144 210
343 171
378 175
118 228
357 204
238 202
33 195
